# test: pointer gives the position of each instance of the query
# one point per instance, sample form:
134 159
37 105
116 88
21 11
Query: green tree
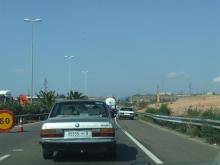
75 95
46 100
61 96
164 110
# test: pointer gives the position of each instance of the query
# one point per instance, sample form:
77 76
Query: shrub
193 112
171 125
193 131
181 128
14 107
32 109
18 109
151 110
211 114
164 110
207 132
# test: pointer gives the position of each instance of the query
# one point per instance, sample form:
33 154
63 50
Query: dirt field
202 103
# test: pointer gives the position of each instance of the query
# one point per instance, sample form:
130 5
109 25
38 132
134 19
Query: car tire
47 154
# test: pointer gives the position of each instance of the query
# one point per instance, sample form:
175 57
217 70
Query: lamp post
85 72
32 21
69 58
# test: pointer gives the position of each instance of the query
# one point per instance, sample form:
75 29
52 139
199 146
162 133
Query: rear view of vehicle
78 126
127 113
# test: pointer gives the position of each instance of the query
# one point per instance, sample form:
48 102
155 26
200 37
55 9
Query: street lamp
32 21
85 81
69 63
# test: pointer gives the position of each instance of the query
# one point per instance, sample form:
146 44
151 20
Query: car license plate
78 134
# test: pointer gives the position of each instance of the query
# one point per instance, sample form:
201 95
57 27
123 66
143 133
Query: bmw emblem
77 125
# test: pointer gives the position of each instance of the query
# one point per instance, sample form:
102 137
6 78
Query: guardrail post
189 126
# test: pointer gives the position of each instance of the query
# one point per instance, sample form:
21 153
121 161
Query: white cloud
217 79
175 75
172 75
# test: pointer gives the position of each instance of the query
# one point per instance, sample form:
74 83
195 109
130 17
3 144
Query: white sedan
78 126
126 112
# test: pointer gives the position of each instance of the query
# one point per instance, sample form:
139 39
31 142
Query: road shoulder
187 137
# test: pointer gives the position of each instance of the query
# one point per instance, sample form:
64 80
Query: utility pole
190 88
158 95
45 85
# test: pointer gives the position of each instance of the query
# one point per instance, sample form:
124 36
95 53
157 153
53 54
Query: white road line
143 148
4 157
18 150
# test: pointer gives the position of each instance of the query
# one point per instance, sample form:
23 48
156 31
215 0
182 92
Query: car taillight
104 132
51 133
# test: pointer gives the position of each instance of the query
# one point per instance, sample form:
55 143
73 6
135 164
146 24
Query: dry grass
195 102
202 103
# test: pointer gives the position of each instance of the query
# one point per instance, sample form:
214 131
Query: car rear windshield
126 109
79 109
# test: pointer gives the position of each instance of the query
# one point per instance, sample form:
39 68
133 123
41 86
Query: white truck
111 103
5 96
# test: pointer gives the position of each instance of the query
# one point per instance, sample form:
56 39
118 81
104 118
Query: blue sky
128 46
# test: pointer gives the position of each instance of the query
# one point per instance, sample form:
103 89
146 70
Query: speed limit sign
7 120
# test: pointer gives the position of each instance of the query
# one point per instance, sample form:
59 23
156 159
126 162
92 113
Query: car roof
78 101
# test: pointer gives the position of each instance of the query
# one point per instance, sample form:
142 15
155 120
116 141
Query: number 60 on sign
7 120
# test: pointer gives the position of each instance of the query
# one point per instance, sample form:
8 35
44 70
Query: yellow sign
7 120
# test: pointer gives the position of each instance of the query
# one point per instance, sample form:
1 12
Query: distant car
78 126
126 112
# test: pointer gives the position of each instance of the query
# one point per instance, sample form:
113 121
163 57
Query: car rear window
79 109
126 109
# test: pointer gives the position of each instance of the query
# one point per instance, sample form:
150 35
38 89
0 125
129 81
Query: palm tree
46 100
75 95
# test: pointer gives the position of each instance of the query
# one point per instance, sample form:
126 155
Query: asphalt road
23 148
172 147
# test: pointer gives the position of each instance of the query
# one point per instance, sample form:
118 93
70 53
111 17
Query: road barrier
183 120
29 118
20 125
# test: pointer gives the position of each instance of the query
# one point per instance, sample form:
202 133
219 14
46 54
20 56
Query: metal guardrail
29 118
184 120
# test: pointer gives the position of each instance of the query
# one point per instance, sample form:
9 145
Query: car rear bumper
60 145
125 116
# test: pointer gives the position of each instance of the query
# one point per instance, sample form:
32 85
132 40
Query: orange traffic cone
20 126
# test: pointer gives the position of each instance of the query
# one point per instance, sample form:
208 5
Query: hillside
202 103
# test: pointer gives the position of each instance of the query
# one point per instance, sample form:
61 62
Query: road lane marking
18 150
142 147
4 157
